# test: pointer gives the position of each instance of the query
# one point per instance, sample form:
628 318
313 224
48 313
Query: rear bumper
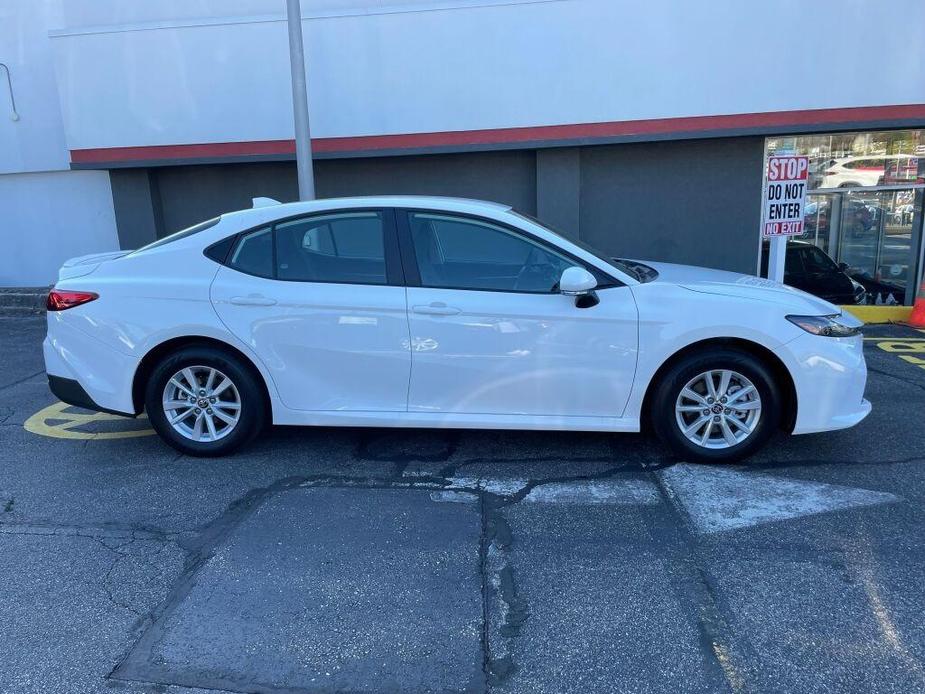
101 377
69 390
829 376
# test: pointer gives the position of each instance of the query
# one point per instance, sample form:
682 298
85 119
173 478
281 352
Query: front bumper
829 376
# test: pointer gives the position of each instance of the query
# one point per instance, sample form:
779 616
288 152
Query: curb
880 314
22 301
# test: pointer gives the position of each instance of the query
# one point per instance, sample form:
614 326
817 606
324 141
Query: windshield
182 234
816 260
619 264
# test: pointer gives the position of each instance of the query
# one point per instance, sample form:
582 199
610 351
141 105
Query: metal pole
776 258
303 141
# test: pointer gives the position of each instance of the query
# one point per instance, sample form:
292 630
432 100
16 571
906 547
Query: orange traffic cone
917 319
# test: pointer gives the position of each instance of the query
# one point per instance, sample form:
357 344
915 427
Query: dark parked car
878 290
810 269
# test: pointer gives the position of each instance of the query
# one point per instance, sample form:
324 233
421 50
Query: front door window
461 253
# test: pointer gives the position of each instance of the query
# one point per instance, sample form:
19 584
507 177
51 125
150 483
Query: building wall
505 97
506 176
689 201
696 202
34 142
47 212
154 202
49 217
172 73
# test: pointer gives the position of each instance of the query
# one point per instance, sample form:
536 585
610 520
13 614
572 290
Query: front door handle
253 300
438 308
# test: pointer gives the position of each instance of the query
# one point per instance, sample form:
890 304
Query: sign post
782 207
303 138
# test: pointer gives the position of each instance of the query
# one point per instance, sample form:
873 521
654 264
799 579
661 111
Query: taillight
60 299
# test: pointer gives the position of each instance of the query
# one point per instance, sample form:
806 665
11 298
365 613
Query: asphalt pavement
323 560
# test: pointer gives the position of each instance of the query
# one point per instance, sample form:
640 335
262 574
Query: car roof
435 202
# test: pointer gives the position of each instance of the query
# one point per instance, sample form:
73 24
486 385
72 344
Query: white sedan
439 312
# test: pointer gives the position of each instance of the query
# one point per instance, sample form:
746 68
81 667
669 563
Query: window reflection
857 160
864 212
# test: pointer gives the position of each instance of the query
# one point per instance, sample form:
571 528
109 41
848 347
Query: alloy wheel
718 409
201 403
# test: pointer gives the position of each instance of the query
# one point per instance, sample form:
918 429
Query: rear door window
253 253
345 248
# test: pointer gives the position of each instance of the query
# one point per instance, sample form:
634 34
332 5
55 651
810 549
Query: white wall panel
50 217
404 67
36 141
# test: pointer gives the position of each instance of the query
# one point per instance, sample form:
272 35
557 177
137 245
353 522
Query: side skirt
431 420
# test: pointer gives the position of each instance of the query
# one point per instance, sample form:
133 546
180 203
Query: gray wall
190 194
694 201
508 177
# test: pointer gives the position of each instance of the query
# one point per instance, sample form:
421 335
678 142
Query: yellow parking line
55 422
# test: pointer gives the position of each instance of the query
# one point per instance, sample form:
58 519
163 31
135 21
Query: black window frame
179 235
394 275
412 269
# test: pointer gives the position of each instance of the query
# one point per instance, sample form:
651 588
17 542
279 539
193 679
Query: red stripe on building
504 136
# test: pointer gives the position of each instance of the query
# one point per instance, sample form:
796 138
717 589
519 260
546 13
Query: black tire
665 397
253 406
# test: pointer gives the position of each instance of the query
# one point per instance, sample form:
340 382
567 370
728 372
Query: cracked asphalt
391 560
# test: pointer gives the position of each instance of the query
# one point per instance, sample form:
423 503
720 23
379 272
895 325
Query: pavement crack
503 610
22 380
454 469
568 479
199 548
728 658
107 578
896 377
88 531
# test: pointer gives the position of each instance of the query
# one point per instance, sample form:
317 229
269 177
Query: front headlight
838 325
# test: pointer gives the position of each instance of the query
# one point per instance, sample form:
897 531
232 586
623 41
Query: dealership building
640 128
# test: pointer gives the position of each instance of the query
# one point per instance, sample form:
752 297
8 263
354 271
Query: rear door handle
436 309
253 300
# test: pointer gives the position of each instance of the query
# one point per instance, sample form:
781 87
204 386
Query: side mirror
576 281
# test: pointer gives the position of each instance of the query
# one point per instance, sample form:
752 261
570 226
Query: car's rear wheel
716 406
204 401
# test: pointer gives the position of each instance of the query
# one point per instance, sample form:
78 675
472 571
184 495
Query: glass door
820 221
875 241
864 210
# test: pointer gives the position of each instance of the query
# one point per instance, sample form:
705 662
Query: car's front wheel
204 401
717 406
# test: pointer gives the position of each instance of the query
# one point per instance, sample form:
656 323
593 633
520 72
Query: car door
320 300
490 334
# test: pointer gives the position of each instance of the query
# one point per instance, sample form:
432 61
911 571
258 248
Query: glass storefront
863 210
